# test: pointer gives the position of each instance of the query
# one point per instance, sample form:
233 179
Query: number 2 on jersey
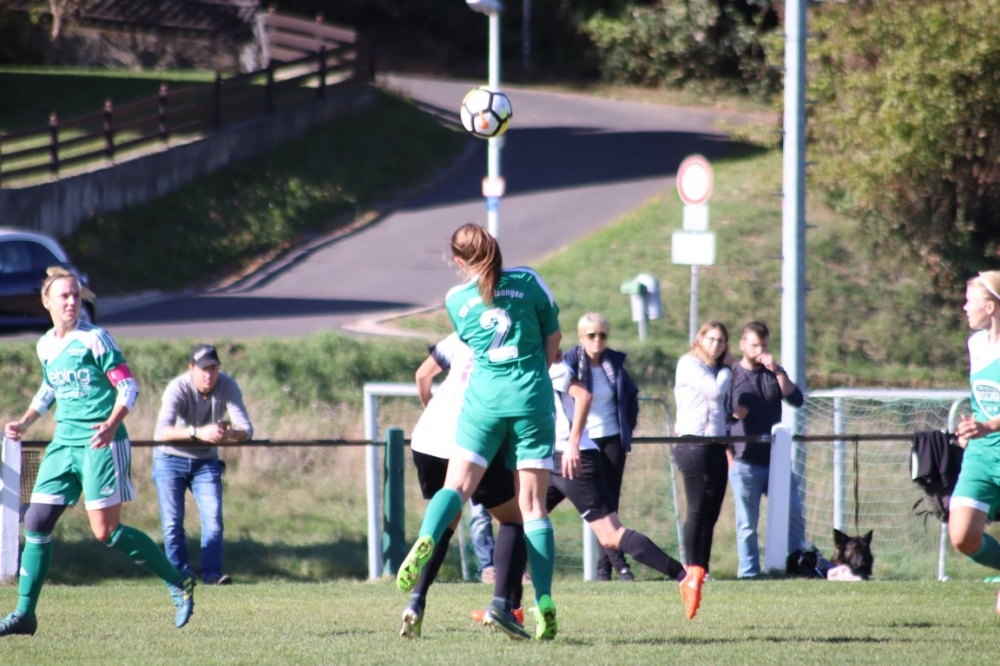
499 321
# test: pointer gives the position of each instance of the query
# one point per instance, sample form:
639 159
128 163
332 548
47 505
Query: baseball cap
204 355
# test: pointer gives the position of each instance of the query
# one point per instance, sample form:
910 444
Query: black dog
806 564
855 552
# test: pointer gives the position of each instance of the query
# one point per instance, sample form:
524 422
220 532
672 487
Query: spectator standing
702 392
611 418
759 387
201 409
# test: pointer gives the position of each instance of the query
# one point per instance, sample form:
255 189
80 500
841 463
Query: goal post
10 507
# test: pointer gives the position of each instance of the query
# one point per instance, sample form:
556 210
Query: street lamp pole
493 185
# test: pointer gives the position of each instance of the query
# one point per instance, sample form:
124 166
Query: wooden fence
185 113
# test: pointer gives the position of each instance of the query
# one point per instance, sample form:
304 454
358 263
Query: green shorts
104 476
530 439
979 481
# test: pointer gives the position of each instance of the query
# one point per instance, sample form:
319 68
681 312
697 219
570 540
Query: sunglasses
602 335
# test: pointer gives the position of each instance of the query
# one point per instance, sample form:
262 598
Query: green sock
441 510
988 553
141 549
541 554
35 561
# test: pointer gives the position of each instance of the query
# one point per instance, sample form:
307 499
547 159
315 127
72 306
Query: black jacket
626 392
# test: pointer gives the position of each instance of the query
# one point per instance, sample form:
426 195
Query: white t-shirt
565 404
602 420
434 434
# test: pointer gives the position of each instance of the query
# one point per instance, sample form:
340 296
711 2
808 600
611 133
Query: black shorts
496 488
588 492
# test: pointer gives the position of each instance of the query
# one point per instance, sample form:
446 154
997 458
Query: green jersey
984 376
510 375
75 376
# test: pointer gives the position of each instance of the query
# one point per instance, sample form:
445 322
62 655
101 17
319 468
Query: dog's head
855 552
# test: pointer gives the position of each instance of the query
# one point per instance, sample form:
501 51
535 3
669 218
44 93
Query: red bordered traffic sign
695 180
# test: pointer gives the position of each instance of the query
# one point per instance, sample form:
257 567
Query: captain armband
123 381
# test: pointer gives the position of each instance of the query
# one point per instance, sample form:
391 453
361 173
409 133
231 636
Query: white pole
779 485
793 211
372 485
839 466
590 551
10 507
693 319
493 151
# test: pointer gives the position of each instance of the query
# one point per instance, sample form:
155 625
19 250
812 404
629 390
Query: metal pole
372 488
493 151
839 466
793 212
693 322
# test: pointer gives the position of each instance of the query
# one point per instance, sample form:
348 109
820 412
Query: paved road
572 164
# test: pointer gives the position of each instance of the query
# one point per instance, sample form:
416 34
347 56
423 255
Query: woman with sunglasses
701 392
612 416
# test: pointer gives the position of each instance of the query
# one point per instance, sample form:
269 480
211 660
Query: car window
19 256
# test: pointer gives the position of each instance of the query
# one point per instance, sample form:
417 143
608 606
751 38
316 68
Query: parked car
24 256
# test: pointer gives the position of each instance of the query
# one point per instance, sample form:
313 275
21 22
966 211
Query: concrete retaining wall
58 208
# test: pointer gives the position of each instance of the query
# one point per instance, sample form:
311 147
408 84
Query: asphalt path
572 164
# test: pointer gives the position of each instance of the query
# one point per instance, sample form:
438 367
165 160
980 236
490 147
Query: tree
905 128
61 11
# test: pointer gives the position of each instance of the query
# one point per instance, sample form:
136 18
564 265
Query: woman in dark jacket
612 416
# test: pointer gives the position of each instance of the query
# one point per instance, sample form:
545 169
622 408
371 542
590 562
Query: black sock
430 570
644 551
509 556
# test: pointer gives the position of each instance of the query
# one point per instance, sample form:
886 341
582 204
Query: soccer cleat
182 593
691 590
603 575
413 621
16 623
507 622
409 571
545 619
480 615
625 575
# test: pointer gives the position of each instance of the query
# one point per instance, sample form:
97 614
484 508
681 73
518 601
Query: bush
673 43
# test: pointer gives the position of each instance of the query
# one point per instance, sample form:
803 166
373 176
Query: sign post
695 245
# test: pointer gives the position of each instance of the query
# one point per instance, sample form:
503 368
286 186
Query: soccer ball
486 113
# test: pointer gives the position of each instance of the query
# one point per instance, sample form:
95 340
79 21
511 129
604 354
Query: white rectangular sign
693 248
696 218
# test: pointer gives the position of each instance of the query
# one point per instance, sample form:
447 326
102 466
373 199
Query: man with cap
201 409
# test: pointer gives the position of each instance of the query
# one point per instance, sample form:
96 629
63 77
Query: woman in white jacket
701 391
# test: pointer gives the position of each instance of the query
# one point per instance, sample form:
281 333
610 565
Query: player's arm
240 429
552 341
172 408
121 378
426 373
968 428
582 400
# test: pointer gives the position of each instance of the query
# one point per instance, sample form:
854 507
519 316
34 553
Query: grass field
760 622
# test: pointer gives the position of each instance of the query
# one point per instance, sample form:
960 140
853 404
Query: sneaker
625 575
604 575
488 575
413 621
182 593
16 623
480 616
545 619
409 571
691 590
506 622
219 580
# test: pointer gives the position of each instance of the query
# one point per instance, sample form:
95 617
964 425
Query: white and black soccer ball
486 113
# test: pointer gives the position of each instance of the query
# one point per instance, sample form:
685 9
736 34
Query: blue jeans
481 529
749 482
173 476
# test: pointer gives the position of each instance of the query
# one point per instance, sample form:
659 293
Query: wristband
192 432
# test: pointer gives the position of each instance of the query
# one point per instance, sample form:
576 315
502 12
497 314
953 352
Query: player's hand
740 412
14 430
767 360
213 432
103 436
571 462
968 428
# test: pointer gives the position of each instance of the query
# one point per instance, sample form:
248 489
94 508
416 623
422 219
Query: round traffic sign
694 180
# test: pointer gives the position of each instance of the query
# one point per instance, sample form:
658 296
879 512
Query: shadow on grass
89 562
